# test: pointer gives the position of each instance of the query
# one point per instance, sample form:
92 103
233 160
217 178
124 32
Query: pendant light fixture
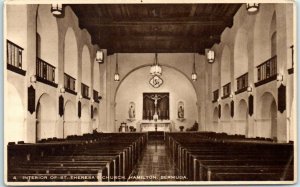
210 54
117 76
99 56
56 9
252 7
194 74
155 68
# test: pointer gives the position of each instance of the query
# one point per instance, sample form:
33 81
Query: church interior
150 92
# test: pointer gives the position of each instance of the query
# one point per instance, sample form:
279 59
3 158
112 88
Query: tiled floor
155 165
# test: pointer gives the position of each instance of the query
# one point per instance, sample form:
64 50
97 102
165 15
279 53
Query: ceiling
149 28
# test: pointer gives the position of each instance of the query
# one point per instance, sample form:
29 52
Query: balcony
69 84
85 91
267 71
14 58
45 72
215 96
226 90
242 83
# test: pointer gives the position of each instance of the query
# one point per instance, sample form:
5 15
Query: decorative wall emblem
156 81
281 98
232 109
31 99
79 109
61 105
250 103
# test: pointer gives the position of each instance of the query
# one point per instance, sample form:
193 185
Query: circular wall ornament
156 81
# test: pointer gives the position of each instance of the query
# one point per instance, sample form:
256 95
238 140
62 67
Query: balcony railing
242 83
96 96
267 71
45 72
69 83
215 96
226 90
85 91
14 57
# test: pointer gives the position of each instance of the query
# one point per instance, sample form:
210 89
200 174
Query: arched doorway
226 120
267 124
273 115
70 125
14 112
86 126
215 119
45 118
242 118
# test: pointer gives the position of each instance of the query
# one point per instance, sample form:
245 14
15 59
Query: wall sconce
92 101
231 95
219 99
99 56
279 77
33 79
62 89
80 96
249 89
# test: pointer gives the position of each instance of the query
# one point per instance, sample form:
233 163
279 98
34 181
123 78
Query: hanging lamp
194 74
156 68
117 76
56 9
252 7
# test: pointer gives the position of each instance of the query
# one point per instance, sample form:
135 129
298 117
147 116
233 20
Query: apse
138 82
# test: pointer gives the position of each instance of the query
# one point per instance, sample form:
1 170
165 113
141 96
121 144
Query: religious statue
180 110
131 111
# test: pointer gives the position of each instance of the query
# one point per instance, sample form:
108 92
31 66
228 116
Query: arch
261 38
48 31
242 118
149 65
45 117
96 76
241 53
134 92
95 120
86 126
70 125
267 116
15 116
86 66
226 125
225 66
71 54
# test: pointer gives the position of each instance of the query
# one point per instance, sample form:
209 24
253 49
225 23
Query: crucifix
155 98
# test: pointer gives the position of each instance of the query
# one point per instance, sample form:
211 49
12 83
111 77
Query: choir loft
150 92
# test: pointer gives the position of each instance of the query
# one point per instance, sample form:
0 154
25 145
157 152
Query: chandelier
155 68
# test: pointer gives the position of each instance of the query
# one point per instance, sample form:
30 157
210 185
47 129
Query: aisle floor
155 164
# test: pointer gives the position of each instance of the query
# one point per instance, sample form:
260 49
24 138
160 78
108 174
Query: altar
151 125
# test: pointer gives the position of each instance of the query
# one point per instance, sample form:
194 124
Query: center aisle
155 165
